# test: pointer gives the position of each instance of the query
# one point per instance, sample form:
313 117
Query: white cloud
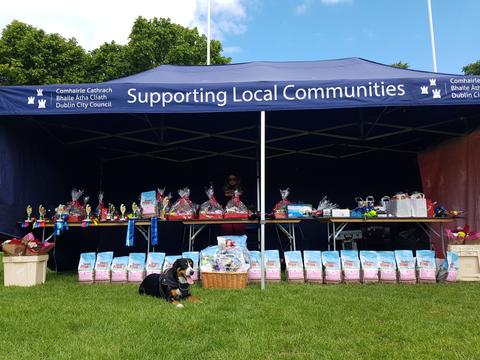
232 49
95 22
335 2
301 9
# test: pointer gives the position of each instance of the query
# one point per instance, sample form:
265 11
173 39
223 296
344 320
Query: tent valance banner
257 86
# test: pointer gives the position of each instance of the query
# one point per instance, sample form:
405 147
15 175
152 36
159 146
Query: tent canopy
344 83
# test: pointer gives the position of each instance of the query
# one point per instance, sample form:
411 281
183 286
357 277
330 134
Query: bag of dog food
102 266
169 260
207 259
387 266
155 262
333 270
119 269
313 266
136 267
194 255
255 271
294 266
452 266
369 262
272 266
350 266
426 266
406 266
86 267
235 240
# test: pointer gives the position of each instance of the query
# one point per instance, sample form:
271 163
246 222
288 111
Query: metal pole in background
208 33
432 36
262 197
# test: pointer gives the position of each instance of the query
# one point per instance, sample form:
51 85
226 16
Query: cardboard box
299 210
340 212
468 261
24 270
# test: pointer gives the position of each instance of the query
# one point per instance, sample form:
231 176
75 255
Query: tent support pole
262 197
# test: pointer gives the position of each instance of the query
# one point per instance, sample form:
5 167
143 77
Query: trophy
88 210
29 214
41 213
135 211
123 209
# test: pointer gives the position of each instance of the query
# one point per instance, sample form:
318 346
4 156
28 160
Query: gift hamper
236 209
280 209
183 208
225 266
210 209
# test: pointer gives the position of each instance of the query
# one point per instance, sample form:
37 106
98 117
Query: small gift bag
400 205
419 205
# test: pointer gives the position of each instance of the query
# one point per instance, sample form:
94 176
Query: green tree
159 41
107 62
472 69
401 65
30 56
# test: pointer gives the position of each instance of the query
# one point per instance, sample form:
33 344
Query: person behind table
232 183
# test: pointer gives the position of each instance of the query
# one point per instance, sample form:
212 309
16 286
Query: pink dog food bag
406 266
427 269
313 266
102 266
387 266
333 270
294 265
136 267
350 266
272 266
86 267
369 263
119 269
254 273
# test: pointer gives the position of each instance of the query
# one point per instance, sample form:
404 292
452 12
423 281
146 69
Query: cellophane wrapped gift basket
225 265
235 208
210 209
183 208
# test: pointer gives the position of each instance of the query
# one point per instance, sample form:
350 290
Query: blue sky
385 31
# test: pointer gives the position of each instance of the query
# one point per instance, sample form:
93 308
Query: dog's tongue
189 280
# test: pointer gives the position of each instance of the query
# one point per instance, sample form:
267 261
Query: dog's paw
180 306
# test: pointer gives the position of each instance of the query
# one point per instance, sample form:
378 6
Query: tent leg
262 197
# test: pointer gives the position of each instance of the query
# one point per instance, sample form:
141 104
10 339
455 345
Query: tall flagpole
208 33
432 36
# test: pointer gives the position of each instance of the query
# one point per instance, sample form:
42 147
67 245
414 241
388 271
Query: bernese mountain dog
172 285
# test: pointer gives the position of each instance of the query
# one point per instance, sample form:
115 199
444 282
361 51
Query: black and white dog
172 285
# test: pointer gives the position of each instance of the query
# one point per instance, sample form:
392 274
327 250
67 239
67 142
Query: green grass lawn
64 320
